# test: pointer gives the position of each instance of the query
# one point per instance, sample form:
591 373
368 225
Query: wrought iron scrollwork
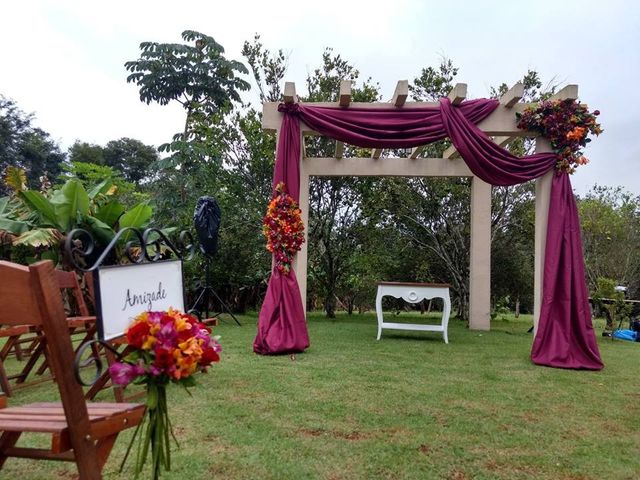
149 245
80 363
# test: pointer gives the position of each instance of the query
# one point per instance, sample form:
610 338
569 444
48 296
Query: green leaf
57 197
76 196
188 382
74 204
137 217
101 231
50 255
39 237
38 203
110 212
101 189
12 226
4 205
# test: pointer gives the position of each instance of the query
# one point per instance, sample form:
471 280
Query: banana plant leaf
74 204
39 237
109 213
43 207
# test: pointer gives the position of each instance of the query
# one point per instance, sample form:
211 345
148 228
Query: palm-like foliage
42 220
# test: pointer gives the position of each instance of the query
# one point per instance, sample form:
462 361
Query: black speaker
206 218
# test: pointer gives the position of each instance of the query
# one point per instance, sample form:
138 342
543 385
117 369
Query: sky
63 60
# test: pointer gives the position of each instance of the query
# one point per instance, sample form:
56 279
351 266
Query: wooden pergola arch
501 125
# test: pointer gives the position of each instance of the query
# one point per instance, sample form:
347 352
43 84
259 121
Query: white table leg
446 311
379 312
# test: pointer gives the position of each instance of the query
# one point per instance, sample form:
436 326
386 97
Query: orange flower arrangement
166 347
567 124
283 228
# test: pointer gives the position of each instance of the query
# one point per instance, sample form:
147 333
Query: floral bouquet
283 228
567 124
163 347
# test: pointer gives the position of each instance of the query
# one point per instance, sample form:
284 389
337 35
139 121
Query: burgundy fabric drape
564 293
281 324
565 336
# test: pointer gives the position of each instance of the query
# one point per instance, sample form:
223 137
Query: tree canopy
25 146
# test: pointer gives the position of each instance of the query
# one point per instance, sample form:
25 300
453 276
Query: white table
414 293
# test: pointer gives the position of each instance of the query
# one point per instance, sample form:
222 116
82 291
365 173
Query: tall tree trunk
330 306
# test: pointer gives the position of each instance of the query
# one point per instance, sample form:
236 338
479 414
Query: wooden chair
18 336
14 335
82 432
80 320
83 322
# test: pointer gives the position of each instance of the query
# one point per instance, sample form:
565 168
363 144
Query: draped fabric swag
565 336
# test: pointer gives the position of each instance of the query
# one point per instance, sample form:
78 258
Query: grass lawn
408 406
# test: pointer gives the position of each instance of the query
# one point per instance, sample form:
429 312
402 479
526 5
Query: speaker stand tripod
207 292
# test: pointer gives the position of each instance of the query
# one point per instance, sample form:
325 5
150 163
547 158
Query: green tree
198 77
334 204
611 302
90 174
132 158
24 146
86 153
513 216
610 221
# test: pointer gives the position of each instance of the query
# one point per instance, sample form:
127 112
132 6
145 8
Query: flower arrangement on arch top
567 124
164 347
283 228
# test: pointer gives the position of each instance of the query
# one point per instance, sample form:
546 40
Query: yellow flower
190 347
149 342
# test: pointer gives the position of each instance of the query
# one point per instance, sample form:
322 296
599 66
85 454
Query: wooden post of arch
480 256
300 261
543 194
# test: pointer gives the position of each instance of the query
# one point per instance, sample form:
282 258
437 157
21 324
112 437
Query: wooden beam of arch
399 98
501 122
344 100
457 95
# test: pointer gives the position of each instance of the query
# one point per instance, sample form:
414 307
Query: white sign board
124 291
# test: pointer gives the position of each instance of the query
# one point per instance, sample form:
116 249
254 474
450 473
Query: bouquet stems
157 431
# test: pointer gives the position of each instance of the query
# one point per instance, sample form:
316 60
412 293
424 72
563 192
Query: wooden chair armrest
3 400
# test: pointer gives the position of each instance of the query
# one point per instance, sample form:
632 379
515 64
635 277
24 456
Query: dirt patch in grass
428 449
529 417
507 469
312 432
456 474
351 436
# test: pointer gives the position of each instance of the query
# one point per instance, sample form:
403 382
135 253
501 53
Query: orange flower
576 134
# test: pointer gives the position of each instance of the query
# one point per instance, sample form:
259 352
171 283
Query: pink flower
124 373
167 335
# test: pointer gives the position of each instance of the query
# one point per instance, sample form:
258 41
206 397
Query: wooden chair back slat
17 301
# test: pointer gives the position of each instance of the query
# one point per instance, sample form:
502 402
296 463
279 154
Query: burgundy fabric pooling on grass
565 336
